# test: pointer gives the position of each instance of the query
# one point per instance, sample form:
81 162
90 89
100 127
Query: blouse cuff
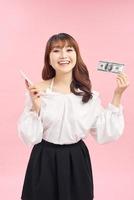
115 109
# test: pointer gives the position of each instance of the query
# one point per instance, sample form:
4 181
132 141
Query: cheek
51 59
75 58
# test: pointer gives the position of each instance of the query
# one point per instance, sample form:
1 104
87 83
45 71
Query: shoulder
43 84
96 97
95 93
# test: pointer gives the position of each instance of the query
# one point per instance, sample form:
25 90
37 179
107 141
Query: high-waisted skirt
58 172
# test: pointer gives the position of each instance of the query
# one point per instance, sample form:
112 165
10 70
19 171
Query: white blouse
65 119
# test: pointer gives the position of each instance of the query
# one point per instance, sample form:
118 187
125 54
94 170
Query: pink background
104 31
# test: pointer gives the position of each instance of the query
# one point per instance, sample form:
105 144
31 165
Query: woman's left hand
122 83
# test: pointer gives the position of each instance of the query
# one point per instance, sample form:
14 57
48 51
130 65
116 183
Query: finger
120 80
27 84
119 83
35 93
123 75
35 96
32 89
125 80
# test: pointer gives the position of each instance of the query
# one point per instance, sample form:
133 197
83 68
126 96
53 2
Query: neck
64 79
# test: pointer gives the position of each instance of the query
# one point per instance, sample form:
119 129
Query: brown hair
80 75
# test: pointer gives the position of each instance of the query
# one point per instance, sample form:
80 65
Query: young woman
59 112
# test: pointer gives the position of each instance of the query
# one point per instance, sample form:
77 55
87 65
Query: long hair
80 75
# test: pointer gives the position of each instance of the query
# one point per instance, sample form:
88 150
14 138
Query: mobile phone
28 81
110 67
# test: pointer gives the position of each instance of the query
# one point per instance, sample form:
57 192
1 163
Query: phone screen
27 80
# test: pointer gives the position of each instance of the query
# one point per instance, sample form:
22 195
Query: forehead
61 44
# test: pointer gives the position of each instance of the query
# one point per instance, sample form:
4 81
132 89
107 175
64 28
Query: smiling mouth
63 62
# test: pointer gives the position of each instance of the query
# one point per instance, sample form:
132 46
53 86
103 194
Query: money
110 67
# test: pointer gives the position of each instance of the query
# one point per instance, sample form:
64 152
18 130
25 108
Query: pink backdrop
104 31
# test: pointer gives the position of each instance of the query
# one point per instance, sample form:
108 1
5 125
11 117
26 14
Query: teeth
64 62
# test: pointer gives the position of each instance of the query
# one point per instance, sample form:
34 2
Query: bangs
61 43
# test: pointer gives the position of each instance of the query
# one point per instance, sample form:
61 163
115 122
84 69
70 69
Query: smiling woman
59 167
63 61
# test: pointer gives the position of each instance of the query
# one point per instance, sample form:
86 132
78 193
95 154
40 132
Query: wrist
118 92
116 99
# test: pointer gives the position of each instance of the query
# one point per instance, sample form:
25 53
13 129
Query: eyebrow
59 47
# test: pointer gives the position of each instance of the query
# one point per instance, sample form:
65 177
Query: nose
63 54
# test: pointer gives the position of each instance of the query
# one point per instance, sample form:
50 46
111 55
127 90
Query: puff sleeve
108 123
30 125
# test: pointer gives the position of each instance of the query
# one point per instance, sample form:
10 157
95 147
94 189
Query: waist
50 144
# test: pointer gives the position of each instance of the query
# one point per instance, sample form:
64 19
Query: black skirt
58 172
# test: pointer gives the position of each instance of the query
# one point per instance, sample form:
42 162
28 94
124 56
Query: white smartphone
26 78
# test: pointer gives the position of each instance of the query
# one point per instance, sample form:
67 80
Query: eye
69 49
56 50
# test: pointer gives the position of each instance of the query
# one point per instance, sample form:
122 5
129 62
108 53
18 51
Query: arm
30 125
122 84
109 122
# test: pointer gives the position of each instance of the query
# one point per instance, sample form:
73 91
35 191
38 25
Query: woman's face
62 59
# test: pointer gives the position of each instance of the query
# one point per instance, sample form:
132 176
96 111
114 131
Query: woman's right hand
35 96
